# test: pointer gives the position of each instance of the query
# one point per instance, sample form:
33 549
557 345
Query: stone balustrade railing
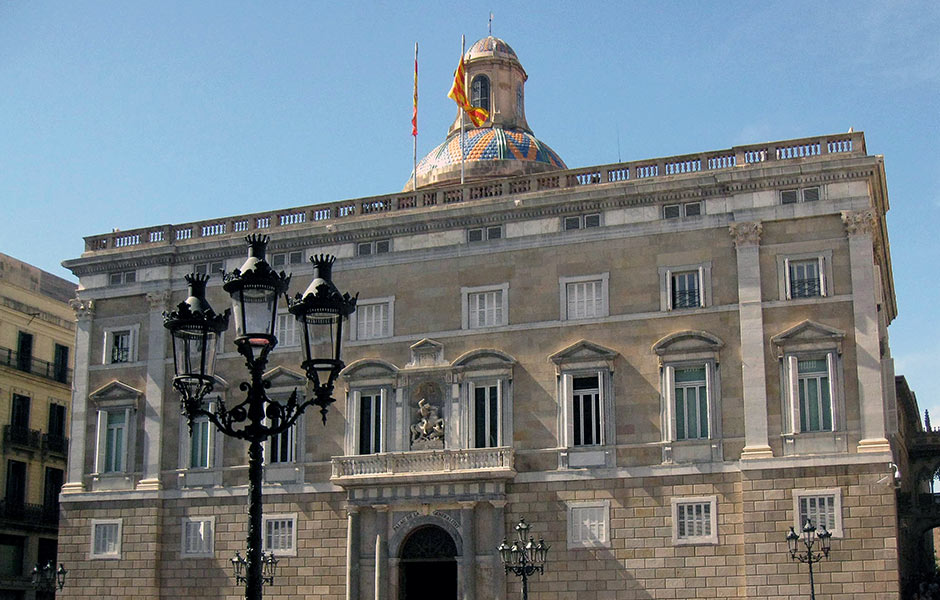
423 461
427 199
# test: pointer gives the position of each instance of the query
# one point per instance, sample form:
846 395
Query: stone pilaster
468 521
353 549
750 316
85 315
381 553
497 573
156 376
859 227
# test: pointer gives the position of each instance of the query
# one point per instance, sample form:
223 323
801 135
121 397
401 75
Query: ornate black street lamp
47 578
810 536
524 558
255 289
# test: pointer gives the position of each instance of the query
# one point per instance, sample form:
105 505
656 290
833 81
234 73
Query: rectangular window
672 211
685 289
15 493
56 424
689 209
122 277
486 415
810 194
822 506
200 450
587 410
372 321
19 418
585 299
479 234
486 309
691 406
60 363
694 520
376 247
804 278
51 488
589 524
282 448
115 441
692 209
280 534
197 534
120 346
582 221
208 268
370 423
282 259
24 352
106 538
288 330
814 394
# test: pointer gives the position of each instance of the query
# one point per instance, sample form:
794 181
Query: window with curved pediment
689 395
486 389
371 385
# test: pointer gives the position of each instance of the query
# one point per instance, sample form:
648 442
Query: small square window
475 235
208 268
823 507
810 194
197 536
106 538
382 246
789 196
122 277
592 221
694 520
376 247
671 211
494 233
589 524
572 223
280 535
282 259
692 209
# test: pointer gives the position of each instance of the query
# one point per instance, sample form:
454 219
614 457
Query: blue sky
129 114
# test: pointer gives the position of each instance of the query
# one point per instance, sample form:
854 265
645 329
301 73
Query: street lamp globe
255 289
194 328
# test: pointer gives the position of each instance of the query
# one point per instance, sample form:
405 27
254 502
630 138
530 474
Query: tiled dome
490 144
491 46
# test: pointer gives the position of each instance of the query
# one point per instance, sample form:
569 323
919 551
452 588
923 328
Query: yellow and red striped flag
458 92
414 113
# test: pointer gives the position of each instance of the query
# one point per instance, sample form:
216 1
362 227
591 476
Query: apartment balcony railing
33 516
35 366
472 463
57 444
22 436
845 144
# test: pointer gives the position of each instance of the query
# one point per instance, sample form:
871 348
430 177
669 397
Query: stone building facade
37 332
662 365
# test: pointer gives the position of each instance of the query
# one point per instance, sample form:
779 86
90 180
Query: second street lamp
524 558
255 289
806 554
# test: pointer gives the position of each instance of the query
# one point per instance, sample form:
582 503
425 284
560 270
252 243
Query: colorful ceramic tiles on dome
490 46
485 144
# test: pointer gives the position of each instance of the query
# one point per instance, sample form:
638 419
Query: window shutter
669 305
823 285
701 287
380 423
786 278
568 391
601 407
102 432
831 367
499 412
669 389
793 392
709 397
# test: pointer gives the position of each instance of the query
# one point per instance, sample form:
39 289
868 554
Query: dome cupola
504 144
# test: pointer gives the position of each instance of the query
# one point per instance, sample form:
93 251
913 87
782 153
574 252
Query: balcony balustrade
42 368
464 463
30 516
22 437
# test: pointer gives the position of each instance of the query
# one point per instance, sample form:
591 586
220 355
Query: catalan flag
458 92
414 113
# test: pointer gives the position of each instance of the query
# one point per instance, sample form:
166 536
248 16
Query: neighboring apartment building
661 364
37 335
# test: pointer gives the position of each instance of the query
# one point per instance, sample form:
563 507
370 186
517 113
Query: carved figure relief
427 431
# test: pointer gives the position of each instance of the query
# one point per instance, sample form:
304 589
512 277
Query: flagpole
414 179
462 112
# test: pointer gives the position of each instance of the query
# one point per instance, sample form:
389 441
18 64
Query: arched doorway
428 565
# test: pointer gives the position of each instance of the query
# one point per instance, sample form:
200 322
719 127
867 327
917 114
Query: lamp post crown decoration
524 558
195 308
811 535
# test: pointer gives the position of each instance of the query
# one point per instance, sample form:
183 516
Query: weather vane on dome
490 26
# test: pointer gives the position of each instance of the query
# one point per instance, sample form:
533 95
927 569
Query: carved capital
746 234
159 301
858 222
84 309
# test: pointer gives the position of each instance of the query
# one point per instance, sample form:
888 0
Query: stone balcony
465 464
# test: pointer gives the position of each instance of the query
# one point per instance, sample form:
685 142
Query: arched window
480 92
